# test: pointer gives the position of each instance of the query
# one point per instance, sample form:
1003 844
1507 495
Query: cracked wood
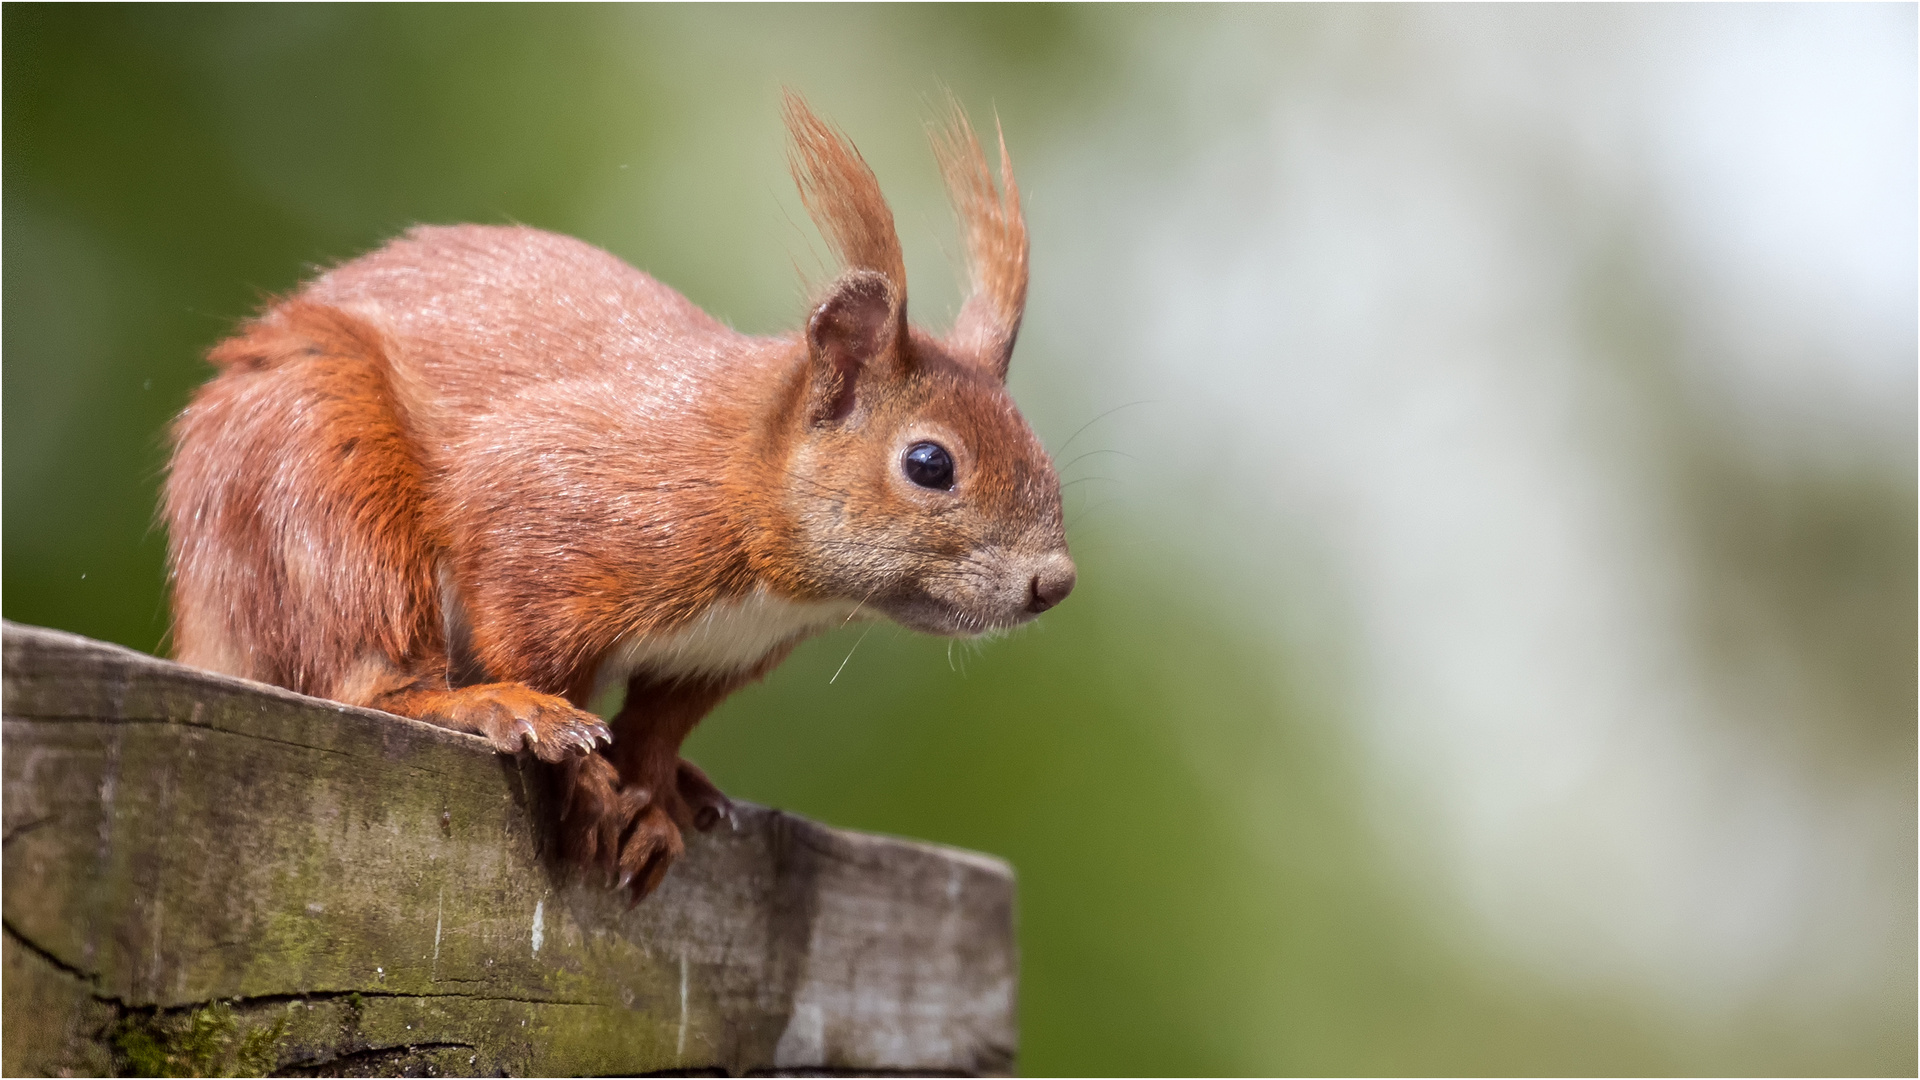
376 888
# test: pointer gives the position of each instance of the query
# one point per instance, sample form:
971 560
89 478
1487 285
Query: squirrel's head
912 483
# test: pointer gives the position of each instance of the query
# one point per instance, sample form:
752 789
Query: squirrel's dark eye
928 465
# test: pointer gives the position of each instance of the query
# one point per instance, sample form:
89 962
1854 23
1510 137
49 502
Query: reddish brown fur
842 195
467 476
996 240
312 533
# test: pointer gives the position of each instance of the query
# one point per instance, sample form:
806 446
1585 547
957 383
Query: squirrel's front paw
516 718
623 832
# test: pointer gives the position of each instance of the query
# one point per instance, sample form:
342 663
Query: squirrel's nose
1051 585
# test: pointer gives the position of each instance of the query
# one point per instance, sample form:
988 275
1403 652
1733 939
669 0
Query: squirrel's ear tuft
996 235
843 197
854 335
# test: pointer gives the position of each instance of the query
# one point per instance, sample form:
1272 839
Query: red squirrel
482 473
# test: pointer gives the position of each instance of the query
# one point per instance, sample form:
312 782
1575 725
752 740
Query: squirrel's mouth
973 604
943 620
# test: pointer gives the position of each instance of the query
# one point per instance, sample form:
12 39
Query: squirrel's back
478 310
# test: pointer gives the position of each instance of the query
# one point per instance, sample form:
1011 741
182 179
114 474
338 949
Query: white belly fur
726 639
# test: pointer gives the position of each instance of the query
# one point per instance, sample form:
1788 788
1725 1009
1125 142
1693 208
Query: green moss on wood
209 1041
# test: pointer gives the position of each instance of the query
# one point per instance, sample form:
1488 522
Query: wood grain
371 895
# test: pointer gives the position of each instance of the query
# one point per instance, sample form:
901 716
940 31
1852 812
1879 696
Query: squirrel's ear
854 334
996 232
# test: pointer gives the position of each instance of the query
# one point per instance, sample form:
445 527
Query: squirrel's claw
652 847
706 804
567 732
521 733
582 732
515 718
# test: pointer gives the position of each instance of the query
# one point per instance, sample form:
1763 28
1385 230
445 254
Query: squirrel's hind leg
298 536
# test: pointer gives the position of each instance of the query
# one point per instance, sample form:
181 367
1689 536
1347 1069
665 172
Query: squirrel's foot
623 832
515 718
706 805
648 850
595 811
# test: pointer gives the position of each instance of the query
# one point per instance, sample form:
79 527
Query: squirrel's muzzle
1051 583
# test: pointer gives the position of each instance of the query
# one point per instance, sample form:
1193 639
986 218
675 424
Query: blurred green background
1489 437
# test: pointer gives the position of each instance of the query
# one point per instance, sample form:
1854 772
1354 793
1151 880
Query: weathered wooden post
204 874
